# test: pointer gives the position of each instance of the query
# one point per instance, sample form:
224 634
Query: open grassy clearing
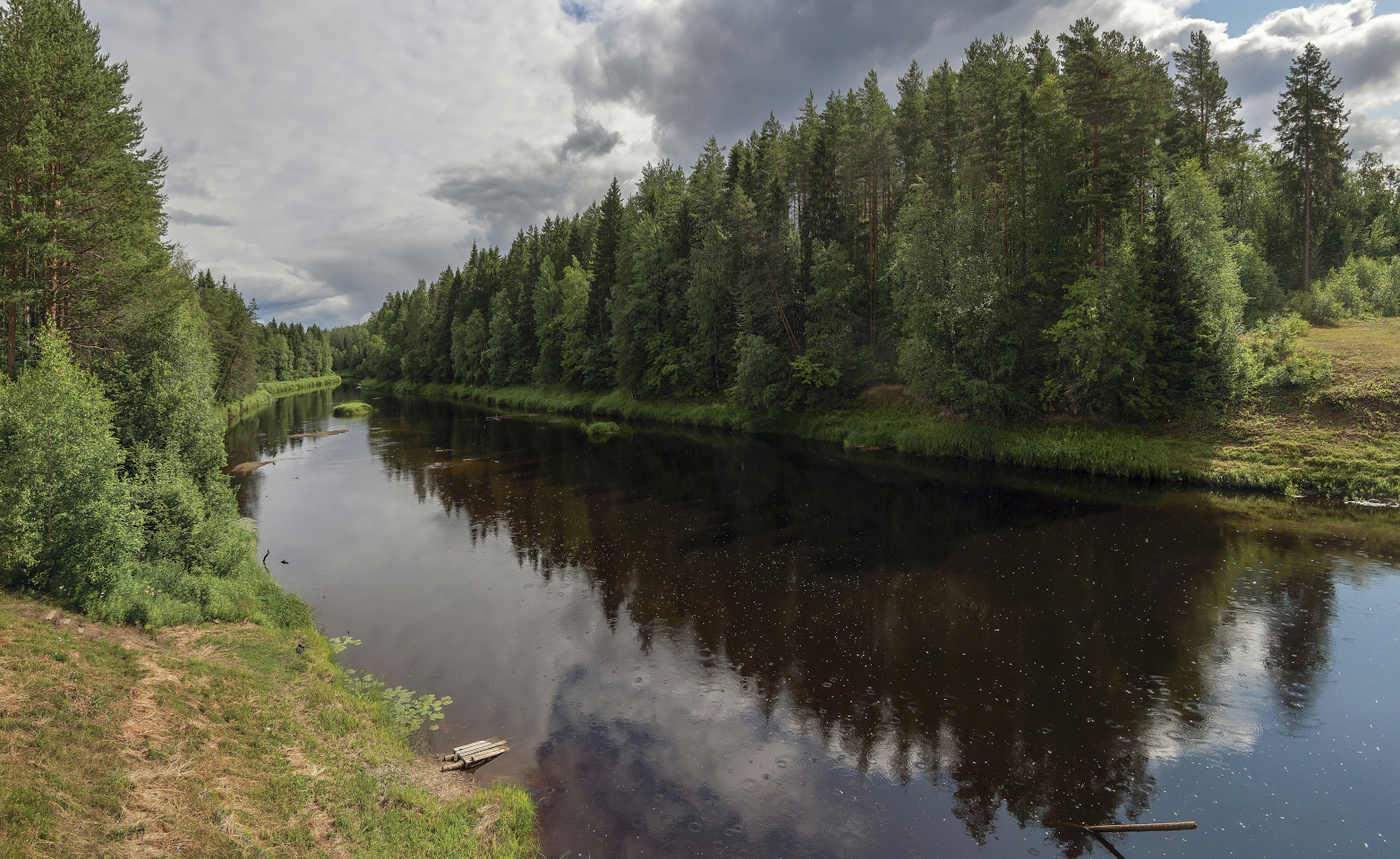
216 740
1340 439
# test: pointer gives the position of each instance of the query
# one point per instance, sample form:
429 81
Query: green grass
1338 439
599 429
349 410
907 428
213 740
267 392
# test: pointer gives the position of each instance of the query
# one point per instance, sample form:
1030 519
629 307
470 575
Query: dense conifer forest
1080 226
1077 226
118 354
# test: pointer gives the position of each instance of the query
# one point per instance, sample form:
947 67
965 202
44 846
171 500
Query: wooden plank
475 747
485 756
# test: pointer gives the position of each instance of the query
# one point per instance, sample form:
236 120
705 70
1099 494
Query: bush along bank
1273 441
113 517
269 392
219 739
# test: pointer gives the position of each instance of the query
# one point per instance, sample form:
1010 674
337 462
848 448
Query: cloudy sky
326 152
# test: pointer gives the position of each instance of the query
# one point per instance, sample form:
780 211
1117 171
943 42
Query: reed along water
717 645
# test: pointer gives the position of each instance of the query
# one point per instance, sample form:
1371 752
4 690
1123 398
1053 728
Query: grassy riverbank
212 740
1340 439
269 391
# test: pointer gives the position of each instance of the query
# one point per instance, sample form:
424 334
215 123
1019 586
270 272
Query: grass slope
1340 440
215 740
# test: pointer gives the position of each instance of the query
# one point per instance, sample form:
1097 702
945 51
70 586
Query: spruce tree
603 267
1312 126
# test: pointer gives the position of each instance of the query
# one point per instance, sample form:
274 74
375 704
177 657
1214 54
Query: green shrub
599 429
763 377
349 410
1302 370
1363 286
67 524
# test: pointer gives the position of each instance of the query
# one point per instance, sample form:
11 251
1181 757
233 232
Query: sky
324 153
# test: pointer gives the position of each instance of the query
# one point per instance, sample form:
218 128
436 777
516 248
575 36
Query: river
714 645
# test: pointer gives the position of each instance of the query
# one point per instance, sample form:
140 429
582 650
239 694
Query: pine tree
80 218
1311 130
1118 92
1207 118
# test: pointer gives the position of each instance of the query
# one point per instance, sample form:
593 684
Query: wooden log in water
245 467
459 765
1170 826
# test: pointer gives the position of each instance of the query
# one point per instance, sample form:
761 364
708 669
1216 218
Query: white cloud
325 152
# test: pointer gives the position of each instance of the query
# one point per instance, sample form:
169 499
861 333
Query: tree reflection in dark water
1013 643
263 434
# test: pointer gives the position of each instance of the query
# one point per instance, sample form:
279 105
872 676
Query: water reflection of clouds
1229 714
692 749
912 674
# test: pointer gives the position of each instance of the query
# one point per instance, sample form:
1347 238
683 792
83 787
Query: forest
119 355
1077 227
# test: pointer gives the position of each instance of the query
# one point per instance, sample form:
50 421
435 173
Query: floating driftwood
321 434
474 755
245 467
1098 831
1169 826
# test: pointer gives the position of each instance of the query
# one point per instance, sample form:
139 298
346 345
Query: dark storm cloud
180 216
589 140
518 188
719 66
504 196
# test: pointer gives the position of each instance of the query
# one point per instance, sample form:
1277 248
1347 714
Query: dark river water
710 645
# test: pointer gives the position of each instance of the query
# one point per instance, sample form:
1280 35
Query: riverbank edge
217 738
1198 454
269 392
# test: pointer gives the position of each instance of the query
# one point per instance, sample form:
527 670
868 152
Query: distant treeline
1080 228
247 352
116 353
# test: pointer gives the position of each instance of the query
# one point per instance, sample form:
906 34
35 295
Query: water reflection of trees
1023 645
263 435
